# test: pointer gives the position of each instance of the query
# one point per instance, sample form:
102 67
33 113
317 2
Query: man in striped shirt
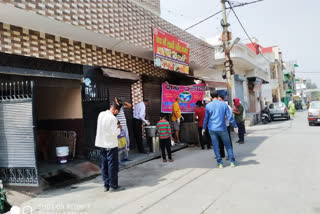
164 130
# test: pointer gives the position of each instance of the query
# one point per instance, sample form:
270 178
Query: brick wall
154 5
120 19
17 40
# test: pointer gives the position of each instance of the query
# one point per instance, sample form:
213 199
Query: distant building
251 79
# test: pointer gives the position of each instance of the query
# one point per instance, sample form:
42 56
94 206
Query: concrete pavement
278 172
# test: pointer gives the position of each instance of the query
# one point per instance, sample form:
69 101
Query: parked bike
265 115
4 205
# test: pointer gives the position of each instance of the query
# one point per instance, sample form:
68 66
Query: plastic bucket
62 153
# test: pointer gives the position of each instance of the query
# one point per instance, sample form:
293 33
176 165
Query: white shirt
140 112
107 130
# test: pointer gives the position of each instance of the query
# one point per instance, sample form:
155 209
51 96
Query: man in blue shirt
216 112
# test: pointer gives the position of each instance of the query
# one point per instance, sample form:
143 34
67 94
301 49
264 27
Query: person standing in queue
199 114
216 112
139 115
221 146
164 130
107 139
176 119
238 112
123 122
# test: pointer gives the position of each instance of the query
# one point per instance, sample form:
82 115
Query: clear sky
293 25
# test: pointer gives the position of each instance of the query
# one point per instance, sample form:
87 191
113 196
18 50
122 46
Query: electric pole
226 37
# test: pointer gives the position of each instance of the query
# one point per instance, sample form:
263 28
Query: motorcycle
265 116
4 205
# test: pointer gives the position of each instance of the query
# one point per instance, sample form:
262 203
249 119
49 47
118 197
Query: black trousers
137 134
110 167
221 145
204 139
241 131
165 144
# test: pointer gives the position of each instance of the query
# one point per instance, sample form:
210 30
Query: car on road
279 110
314 113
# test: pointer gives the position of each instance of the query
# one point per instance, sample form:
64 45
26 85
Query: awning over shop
254 79
113 73
38 73
216 84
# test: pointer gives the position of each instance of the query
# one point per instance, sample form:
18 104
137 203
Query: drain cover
61 178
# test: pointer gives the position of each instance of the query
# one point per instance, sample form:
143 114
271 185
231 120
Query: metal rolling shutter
17 143
152 91
121 88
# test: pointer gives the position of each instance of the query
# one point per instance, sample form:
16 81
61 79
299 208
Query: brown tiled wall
17 40
120 19
152 4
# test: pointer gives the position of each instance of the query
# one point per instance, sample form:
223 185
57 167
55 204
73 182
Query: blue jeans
224 136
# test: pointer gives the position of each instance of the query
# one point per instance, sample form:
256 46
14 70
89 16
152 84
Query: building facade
252 71
276 71
75 57
289 80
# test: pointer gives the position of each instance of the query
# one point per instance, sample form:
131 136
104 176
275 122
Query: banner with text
170 52
189 96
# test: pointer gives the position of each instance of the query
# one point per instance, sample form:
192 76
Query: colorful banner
170 52
189 96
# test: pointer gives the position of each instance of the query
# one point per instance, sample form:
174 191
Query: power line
246 31
176 13
297 72
209 17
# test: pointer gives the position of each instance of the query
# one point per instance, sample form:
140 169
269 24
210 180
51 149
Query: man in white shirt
139 115
107 139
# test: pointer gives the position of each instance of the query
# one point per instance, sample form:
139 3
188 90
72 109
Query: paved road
278 173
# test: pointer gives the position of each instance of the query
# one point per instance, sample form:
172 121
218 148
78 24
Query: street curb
151 157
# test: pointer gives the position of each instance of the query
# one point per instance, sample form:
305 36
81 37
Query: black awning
252 79
113 73
39 73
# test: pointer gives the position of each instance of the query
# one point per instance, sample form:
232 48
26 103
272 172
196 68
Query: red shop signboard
170 52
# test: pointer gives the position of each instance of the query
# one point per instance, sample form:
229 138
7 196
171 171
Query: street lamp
236 41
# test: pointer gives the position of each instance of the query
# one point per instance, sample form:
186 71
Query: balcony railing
241 51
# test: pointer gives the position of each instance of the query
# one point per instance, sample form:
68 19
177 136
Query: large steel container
151 131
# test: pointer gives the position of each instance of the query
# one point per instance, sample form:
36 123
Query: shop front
101 85
64 105
41 110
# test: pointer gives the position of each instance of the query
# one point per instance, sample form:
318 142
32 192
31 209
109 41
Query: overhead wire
209 17
297 72
245 31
